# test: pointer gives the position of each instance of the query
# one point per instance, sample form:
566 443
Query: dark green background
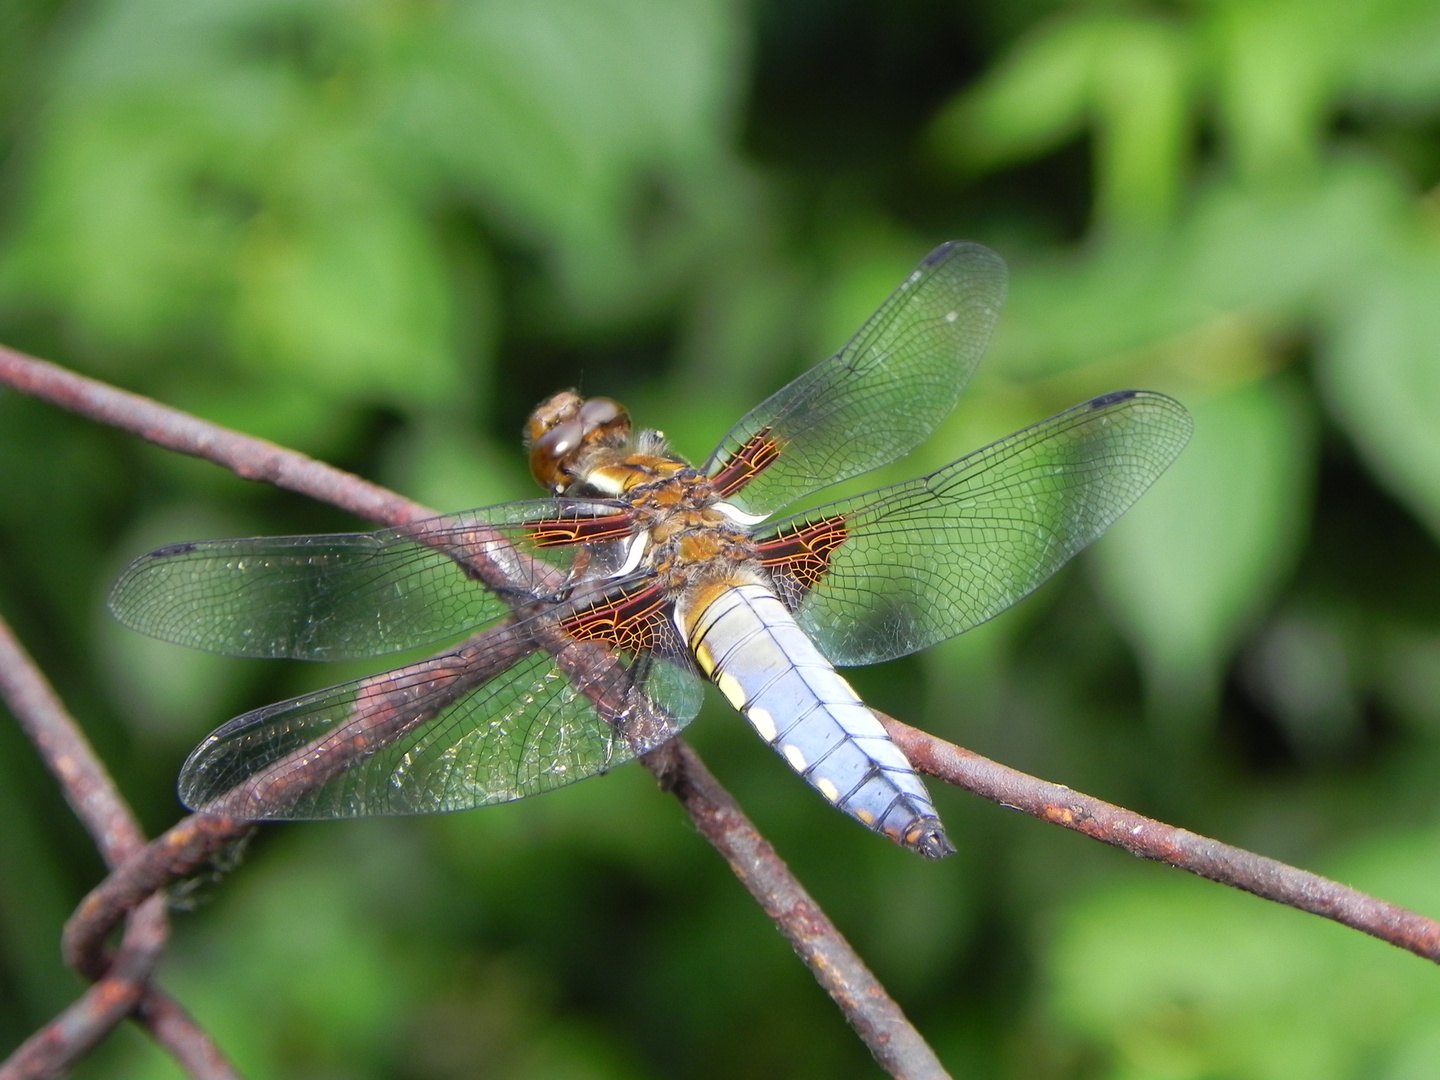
380 230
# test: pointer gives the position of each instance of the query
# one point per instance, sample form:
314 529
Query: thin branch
244 455
1146 838
66 752
189 1043
79 1028
865 1003
122 983
53 1049
181 850
862 999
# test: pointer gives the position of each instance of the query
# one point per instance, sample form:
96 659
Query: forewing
354 595
891 572
499 719
877 398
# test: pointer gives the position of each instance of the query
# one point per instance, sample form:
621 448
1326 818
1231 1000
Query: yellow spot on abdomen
705 660
828 789
731 688
764 723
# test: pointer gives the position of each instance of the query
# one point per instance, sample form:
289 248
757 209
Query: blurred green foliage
379 231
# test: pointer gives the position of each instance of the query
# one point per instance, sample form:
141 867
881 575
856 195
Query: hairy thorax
691 539
684 531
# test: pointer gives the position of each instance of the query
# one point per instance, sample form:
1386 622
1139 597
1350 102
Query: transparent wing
885 574
354 595
878 397
498 719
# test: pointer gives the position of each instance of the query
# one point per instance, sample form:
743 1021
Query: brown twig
122 984
76 1031
866 1004
66 752
244 455
178 852
1146 838
187 1042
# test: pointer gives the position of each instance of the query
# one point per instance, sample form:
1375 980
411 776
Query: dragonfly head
563 427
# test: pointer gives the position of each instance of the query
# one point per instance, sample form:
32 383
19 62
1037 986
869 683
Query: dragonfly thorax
688 532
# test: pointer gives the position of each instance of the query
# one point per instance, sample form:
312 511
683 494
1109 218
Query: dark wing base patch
798 557
630 619
756 455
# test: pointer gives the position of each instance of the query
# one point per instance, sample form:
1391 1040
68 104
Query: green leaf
1130 75
590 127
1177 978
349 293
1142 99
1380 372
110 235
1033 100
1241 252
1191 566
1273 66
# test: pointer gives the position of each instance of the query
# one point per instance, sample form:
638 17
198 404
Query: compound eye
606 422
551 450
600 412
556 409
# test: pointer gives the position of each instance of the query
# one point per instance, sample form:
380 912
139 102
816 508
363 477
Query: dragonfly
578 630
